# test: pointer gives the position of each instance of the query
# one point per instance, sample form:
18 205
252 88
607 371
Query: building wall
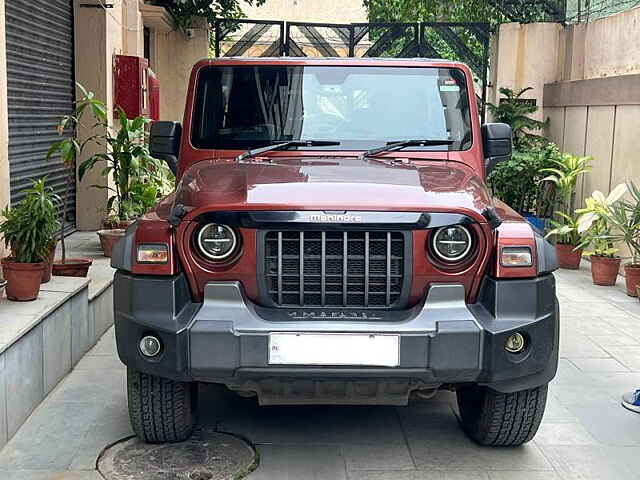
329 11
101 34
4 123
586 79
173 56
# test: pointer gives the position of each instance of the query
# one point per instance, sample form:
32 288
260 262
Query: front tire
160 410
501 419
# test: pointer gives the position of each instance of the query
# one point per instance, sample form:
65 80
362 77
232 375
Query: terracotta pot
108 239
604 270
116 225
72 267
632 279
46 275
23 279
568 257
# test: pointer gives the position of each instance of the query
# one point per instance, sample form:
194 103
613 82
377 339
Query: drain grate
208 455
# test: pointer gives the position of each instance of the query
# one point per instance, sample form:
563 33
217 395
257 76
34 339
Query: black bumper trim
443 340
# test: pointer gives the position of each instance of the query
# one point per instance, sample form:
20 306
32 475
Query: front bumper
442 341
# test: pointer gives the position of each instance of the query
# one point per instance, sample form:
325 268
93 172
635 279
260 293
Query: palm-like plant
565 229
515 111
625 217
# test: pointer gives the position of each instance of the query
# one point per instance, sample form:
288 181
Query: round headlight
451 244
216 241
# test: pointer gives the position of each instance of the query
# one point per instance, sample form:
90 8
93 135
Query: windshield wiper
285 145
391 146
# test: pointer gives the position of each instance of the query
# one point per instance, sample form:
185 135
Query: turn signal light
516 257
153 253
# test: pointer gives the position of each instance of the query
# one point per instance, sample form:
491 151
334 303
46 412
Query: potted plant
129 162
596 229
564 175
568 240
625 217
69 148
28 230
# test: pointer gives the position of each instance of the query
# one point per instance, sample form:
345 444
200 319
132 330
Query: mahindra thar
331 240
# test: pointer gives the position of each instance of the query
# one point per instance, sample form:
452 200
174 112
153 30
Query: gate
465 42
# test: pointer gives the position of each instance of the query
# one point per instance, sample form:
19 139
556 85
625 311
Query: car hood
332 183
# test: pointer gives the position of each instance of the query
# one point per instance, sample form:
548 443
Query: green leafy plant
519 181
624 215
565 229
515 111
564 175
139 179
30 228
595 224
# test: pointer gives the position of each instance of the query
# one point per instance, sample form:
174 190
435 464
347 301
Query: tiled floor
585 435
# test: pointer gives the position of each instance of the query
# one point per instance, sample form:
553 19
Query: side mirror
496 143
164 142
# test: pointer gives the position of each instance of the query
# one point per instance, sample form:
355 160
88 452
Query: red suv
331 240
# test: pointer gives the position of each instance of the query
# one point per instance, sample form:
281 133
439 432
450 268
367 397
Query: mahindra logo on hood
334 218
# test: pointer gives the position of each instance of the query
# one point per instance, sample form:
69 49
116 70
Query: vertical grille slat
353 269
345 267
279 267
366 269
301 268
323 268
388 279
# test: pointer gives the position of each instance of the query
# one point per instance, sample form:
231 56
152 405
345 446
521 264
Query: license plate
334 349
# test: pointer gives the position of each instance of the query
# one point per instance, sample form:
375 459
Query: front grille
334 269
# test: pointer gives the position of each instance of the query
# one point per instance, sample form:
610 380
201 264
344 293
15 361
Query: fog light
515 343
150 346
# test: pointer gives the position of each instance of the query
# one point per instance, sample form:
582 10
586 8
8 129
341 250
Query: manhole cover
208 455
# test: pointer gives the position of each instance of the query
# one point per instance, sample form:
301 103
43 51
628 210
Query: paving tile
49 475
107 387
628 356
313 424
580 346
3 403
593 462
56 338
81 331
613 340
603 309
100 362
523 475
298 462
563 434
111 424
599 365
377 457
24 387
418 475
437 442
49 439
607 421
555 412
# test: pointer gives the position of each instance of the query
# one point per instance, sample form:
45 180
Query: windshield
242 107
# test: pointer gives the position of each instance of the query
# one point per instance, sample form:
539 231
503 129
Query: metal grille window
334 269
40 81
